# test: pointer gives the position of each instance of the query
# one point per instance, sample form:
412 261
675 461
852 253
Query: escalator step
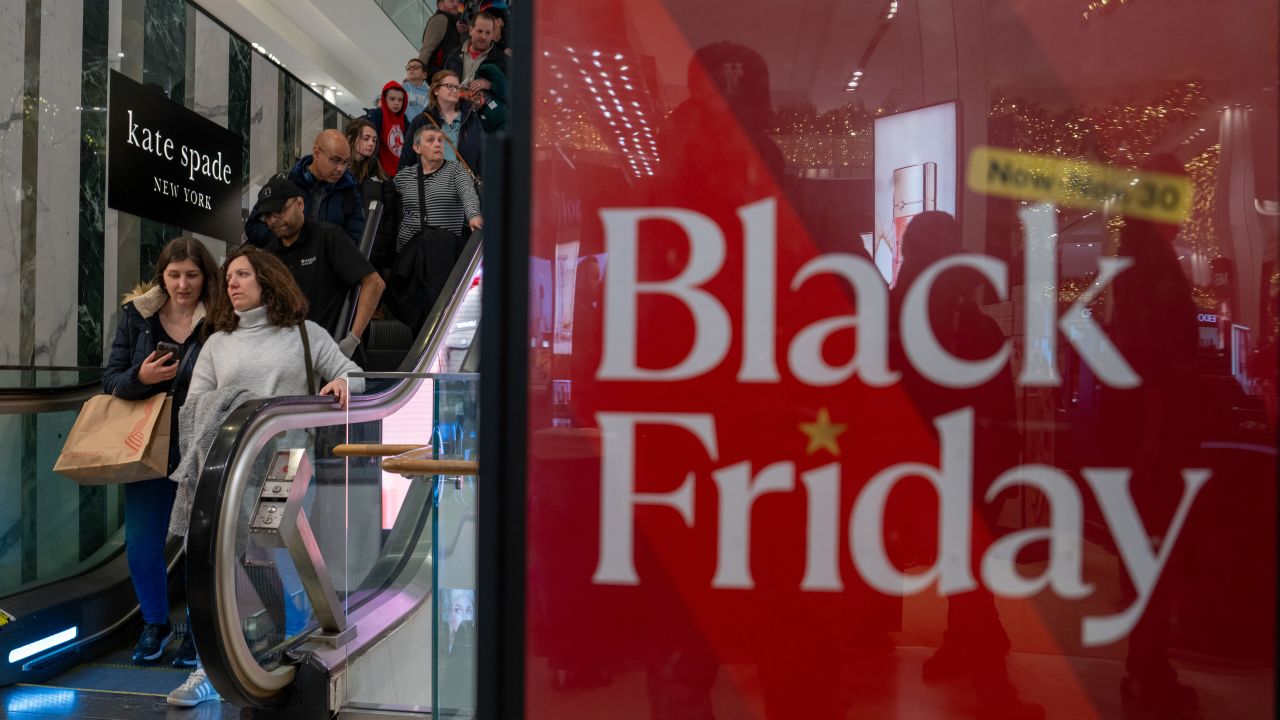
386 343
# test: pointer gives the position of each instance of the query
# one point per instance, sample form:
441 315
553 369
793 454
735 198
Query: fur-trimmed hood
148 298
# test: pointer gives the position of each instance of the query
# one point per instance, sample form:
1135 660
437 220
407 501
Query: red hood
393 85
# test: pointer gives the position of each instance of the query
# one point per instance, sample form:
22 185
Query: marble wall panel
238 106
264 123
122 232
93 158
164 62
211 71
164 58
290 124
312 112
57 198
12 30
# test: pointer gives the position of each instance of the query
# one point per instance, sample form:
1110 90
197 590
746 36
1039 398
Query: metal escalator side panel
227 658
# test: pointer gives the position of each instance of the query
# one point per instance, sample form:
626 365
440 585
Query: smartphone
168 347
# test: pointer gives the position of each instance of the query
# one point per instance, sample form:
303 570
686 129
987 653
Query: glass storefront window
902 359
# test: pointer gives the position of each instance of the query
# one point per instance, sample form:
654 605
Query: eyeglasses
340 162
450 86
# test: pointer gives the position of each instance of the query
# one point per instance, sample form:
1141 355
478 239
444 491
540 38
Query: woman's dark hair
286 305
188 248
362 169
437 80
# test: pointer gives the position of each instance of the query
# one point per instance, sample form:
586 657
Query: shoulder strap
182 366
422 199
306 355
450 142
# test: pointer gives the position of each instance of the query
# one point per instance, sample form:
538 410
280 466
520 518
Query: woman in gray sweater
256 347
255 343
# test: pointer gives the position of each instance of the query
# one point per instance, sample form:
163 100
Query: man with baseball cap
324 262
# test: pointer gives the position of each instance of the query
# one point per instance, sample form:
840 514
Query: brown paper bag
118 441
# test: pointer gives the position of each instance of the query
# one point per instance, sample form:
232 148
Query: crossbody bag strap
182 365
306 355
422 202
456 154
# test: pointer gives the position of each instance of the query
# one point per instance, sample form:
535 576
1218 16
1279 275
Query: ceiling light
617 56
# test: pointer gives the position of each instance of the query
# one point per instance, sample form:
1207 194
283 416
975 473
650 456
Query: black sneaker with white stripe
152 643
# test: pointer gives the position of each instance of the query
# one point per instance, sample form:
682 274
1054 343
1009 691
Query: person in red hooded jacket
389 120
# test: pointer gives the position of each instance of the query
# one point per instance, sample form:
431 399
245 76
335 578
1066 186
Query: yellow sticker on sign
5 618
1075 183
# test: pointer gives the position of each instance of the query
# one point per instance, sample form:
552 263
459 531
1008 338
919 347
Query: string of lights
1199 231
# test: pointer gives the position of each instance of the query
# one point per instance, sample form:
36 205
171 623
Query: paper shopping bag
118 441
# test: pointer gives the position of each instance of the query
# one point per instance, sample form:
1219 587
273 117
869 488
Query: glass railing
425 496
410 16
50 527
29 377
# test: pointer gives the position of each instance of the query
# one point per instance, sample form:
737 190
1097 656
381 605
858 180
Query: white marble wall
264 123
57 185
121 230
12 36
312 109
208 67
211 69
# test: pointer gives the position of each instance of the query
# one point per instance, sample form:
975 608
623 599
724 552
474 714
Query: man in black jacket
322 260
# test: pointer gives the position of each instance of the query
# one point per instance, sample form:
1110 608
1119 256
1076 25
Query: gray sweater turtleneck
266 360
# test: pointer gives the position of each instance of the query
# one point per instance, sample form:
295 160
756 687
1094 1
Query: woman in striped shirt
450 199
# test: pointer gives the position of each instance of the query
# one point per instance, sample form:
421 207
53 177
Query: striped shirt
450 203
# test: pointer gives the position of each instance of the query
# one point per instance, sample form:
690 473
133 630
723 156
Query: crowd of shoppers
271 320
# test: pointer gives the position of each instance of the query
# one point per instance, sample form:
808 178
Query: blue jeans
147 504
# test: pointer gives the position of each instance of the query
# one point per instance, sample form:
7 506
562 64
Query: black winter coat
135 340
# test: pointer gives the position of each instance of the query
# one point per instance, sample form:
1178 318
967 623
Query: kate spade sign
167 163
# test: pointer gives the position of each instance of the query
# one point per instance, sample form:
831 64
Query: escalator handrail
225 476
372 218
30 401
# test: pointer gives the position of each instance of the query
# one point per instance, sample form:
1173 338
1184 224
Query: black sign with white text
167 163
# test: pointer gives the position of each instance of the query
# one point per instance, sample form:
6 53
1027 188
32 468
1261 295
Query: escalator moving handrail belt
224 478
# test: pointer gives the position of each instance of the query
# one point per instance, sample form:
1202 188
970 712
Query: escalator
262 641
68 612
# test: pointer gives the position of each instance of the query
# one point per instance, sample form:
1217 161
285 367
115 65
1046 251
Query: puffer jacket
135 340
337 203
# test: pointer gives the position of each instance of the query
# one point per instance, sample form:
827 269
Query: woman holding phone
155 348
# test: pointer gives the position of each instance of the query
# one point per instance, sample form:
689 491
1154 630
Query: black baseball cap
273 195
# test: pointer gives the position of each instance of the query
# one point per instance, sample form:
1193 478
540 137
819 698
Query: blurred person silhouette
975 641
721 76
1153 430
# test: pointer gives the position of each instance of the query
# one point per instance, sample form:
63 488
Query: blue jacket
135 340
470 136
337 203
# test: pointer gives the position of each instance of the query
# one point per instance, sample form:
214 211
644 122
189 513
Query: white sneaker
194 691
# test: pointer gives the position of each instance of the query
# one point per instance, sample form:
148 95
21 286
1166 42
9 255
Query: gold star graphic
823 433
